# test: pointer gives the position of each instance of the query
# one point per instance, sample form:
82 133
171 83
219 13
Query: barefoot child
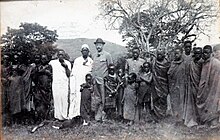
111 84
130 99
145 90
85 106
86 91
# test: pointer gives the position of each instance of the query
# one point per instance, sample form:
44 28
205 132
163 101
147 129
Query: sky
73 19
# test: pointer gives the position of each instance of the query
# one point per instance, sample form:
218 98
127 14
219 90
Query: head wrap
85 46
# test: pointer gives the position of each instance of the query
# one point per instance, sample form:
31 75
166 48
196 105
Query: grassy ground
113 130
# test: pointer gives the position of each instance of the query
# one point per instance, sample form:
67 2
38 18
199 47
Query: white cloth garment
60 87
77 78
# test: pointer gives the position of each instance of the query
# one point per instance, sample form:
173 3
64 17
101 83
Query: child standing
130 99
145 89
111 84
86 92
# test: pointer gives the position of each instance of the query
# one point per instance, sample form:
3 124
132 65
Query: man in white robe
60 85
82 66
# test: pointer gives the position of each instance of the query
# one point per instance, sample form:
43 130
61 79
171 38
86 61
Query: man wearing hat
101 60
82 66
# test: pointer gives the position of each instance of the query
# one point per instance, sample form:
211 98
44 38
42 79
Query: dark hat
99 40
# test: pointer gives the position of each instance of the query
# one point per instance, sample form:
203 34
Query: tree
146 23
28 40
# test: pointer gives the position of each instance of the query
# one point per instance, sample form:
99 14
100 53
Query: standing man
42 89
133 65
208 97
189 116
176 75
81 67
60 85
160 68
99 70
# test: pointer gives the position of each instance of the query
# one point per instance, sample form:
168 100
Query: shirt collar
100 53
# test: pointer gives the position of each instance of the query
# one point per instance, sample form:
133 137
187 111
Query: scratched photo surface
110 69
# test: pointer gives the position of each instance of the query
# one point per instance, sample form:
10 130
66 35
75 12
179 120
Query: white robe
60 88
77 78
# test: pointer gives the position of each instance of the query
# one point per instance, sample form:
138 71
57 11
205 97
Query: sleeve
74 67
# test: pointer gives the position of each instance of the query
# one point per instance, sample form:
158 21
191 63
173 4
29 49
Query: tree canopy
159 23
28 40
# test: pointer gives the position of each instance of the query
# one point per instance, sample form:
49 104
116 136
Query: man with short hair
187 47
101 60
60 86
189 115
42 88
176 75
160 68
133 65
208 97
82 65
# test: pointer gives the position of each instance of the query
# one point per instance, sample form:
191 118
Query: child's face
120 72
146 67
177 54
89 79
112 70
131 79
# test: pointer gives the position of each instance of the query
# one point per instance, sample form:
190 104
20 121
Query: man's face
160 54
61 54
177 54
135 53
146 67
188 48
44 59
197 54
206 54
99 46
85 52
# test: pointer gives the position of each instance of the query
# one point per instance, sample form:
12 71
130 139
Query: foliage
159 23
28 40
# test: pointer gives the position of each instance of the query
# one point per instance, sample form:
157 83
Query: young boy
130 99
145 89
111 84
86 92
85 106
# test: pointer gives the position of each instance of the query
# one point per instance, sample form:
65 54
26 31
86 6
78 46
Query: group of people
94 88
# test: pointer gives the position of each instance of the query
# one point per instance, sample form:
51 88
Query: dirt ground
112 130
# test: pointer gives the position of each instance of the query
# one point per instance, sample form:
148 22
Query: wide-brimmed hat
99 40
